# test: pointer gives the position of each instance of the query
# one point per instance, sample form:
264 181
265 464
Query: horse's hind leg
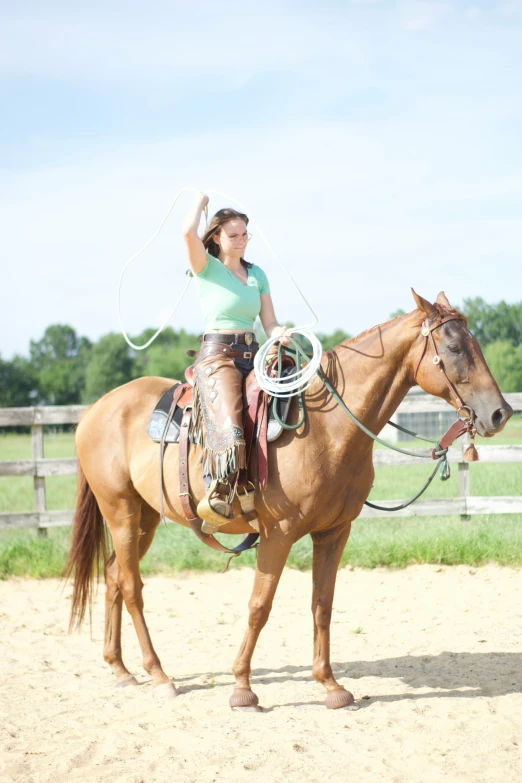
113 612
114 599
132 524
328 548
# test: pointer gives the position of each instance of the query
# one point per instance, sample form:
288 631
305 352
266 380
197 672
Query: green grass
393 542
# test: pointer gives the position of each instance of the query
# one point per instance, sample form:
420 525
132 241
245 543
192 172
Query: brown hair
221 217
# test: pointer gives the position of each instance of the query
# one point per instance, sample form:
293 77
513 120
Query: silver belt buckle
247 355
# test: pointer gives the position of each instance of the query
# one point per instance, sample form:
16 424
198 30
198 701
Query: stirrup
214 511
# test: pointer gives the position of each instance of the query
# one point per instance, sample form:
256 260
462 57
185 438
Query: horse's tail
88 550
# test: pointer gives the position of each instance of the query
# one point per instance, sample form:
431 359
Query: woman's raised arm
196 253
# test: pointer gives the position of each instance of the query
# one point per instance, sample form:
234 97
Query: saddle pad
274 429
159 418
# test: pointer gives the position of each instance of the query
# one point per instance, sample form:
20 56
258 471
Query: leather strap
250 420
427 332
262 447
457 429
258 411
178 391
184 488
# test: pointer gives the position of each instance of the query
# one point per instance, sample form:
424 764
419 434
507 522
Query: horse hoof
128 679
251 708
244 697
165 691
339 698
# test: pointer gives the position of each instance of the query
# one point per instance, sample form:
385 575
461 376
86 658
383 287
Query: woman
232 293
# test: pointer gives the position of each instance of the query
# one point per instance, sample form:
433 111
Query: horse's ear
424 306
442 299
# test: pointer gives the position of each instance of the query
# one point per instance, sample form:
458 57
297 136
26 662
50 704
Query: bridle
464 412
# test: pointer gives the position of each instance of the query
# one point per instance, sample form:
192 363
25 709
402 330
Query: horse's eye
454 348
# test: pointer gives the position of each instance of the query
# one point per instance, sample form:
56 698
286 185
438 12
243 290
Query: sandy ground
432 655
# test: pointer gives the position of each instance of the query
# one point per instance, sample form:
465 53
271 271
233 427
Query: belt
231 339
236 350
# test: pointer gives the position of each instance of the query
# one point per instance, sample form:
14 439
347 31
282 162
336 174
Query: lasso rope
297 330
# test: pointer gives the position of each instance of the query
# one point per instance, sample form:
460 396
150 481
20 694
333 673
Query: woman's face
233 238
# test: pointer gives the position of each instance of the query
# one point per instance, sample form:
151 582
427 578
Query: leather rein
457 429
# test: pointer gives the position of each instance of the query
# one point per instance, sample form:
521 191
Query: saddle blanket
159 417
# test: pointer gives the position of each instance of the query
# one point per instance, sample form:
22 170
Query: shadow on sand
455 675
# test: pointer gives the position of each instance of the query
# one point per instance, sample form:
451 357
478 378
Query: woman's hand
204 200
279 332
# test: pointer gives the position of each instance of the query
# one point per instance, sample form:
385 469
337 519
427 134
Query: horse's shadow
450 674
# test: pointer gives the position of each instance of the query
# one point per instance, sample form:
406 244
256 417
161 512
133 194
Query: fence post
39 482
464 485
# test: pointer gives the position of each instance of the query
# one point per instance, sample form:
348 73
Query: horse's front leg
328 548
271 558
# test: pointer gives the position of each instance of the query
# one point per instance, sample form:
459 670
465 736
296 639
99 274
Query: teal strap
302 412
439 453
441 464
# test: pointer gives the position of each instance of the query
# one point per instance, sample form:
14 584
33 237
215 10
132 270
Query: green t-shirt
226 302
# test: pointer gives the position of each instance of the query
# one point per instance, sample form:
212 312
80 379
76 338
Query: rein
440 450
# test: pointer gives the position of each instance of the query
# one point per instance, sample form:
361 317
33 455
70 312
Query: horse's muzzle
487 426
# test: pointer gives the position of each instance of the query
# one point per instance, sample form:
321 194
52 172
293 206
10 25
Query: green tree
494 322
397 312
168 362
59 360
166 356
329 341
111 364
505 362
17 383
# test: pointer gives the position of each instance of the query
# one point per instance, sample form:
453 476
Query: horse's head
449 363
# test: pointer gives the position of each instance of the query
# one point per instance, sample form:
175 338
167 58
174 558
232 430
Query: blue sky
377 144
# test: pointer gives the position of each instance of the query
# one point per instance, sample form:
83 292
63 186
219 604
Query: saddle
251 393
170 423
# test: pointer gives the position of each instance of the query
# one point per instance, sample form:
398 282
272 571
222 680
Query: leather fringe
216 464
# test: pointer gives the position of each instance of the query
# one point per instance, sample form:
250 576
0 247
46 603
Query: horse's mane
442 312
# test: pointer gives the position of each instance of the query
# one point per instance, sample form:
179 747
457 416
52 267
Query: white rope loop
302 379
274 386
129 262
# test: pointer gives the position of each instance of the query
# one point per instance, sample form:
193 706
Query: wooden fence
39 468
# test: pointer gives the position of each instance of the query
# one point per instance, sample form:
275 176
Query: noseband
464 412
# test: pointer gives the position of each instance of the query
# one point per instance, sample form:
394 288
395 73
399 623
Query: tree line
64 368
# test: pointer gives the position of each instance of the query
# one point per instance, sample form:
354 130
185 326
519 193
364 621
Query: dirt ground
433 657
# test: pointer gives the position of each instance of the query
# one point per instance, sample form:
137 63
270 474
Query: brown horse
319 478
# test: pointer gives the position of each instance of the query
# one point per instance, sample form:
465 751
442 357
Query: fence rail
39 468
